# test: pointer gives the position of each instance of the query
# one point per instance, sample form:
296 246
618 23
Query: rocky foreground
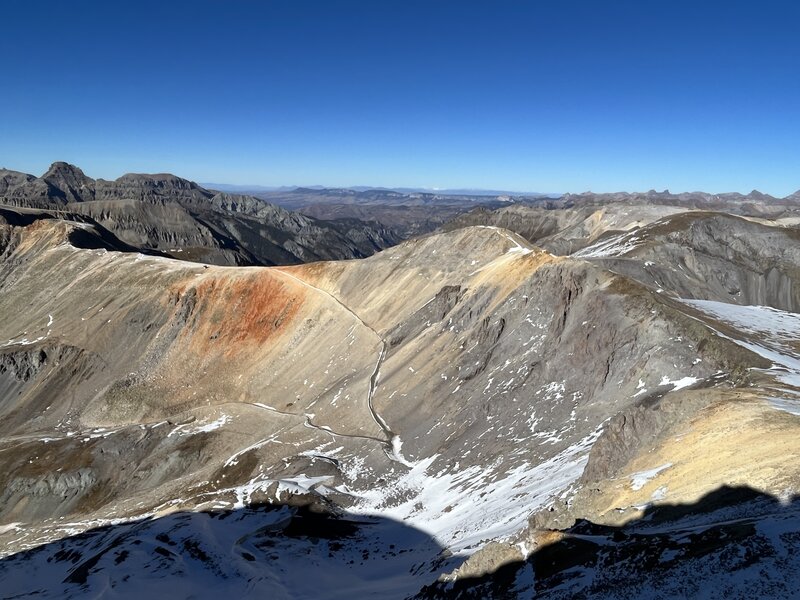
463 415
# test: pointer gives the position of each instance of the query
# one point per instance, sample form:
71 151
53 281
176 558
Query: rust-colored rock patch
231 314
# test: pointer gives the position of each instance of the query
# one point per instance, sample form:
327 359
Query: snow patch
463 509
678 384
614 246
192 429
640 479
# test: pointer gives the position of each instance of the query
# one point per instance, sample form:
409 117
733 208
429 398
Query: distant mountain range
241 189
608 196
260 225
177 217
226 187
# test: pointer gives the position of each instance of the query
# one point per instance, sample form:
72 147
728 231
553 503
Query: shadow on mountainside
96 237
262 551
735 542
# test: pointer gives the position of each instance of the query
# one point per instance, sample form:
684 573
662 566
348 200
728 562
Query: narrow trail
392 443
330 296
373 383
353 436
272 409
307 422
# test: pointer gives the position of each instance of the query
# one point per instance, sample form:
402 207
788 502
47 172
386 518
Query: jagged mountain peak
64 169
69 183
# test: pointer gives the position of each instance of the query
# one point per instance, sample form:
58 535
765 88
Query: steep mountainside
710 256
575 221
461 415
177 217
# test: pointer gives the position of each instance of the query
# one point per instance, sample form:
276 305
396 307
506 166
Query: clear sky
534 96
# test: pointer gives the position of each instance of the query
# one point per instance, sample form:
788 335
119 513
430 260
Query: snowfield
463 510
768 332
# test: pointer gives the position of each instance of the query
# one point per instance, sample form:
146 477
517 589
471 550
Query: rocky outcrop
12 179
22 366
713 256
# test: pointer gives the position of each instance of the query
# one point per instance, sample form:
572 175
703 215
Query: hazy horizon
361 186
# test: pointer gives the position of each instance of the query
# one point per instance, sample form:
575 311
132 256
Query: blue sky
533 96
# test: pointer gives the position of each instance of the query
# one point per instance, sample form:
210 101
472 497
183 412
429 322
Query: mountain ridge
176 216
